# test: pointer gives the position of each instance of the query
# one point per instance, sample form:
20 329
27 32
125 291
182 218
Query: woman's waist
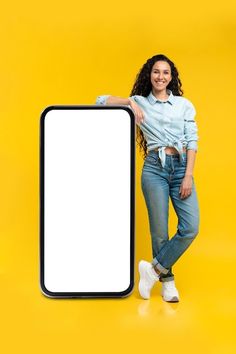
169 150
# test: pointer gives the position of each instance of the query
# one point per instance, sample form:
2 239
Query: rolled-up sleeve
133 98
101 99
190 127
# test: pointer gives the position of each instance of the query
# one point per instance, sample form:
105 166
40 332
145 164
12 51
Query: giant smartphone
87 201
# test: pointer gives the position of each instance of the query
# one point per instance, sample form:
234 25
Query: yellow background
55 52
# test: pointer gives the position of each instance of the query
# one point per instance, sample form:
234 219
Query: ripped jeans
158 183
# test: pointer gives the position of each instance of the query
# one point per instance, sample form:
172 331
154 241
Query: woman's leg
187 211
155 187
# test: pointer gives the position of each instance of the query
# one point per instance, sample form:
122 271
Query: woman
167 134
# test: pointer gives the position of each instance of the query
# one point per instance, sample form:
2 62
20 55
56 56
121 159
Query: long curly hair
143 86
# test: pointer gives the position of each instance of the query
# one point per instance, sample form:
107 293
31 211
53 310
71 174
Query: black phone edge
87 295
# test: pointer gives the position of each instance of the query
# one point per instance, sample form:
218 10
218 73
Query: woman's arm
191 135
117 100
110 100
187 182
191 155
138 112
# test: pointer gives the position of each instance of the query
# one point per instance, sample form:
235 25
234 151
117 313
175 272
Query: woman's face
160 75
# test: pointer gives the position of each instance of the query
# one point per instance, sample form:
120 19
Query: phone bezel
130 288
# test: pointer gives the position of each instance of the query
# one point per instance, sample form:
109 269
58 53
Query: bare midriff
169 150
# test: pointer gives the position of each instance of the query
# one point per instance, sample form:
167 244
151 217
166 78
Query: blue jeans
158 183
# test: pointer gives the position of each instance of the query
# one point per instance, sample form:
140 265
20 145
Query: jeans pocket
152 159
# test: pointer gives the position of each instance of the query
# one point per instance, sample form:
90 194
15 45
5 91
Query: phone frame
130 288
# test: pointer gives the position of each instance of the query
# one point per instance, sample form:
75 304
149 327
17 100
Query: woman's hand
138 112
186 187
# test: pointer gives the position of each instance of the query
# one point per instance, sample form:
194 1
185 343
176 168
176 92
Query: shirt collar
152 99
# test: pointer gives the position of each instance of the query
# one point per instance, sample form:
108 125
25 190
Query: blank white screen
87 200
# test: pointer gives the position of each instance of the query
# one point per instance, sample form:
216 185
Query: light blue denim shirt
166 123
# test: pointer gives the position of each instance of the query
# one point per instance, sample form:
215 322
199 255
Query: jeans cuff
156 264
166 279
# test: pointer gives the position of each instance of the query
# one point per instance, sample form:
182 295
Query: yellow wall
55 52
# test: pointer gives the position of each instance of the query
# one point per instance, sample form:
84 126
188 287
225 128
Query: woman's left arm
191 135
187 182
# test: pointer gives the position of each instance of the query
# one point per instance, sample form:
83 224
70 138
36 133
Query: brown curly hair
143 86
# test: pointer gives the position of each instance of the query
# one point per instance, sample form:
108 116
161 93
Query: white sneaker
148 277
169 291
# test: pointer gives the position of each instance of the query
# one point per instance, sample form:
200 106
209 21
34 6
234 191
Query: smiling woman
167 134
160 78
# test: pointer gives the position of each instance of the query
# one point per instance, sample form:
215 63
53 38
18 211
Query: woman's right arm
111 100
117 100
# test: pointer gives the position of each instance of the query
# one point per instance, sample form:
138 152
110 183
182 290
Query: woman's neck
162 95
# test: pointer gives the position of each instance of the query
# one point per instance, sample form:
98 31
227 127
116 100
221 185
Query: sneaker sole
173 299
